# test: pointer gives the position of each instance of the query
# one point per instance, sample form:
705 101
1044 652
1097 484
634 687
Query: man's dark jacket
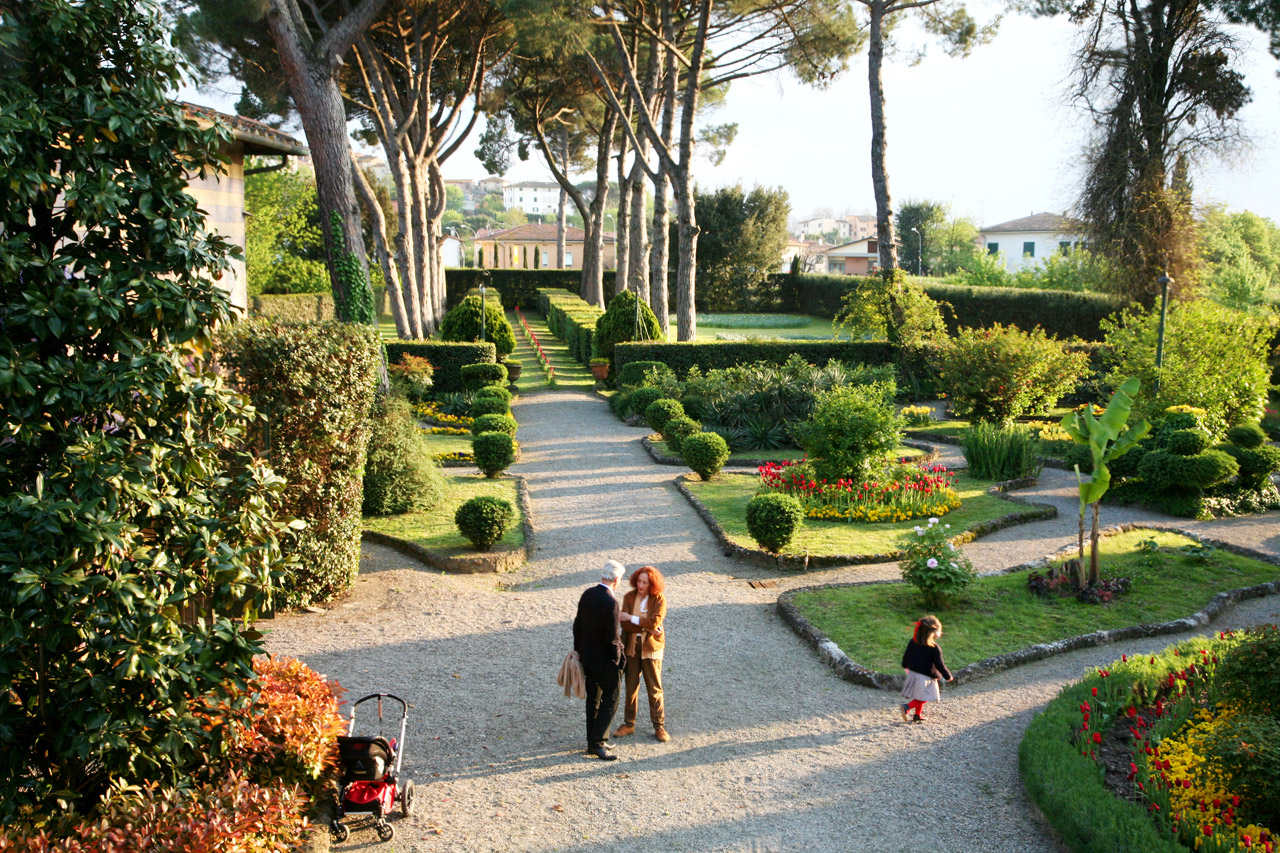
595 629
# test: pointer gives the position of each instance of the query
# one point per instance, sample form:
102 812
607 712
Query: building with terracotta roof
1025 242
533 247
221 196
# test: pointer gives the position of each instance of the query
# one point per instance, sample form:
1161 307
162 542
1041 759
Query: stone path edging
490 561
851 671
760 557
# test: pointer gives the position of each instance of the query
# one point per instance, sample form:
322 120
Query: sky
994 135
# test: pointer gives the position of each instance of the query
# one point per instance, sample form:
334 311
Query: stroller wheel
340 832
406 798
386 831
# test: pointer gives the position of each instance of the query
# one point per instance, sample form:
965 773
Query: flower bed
432 413
903 493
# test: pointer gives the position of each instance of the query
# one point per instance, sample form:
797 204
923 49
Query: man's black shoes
603 754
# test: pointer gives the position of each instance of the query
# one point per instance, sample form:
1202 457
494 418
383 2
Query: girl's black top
923 659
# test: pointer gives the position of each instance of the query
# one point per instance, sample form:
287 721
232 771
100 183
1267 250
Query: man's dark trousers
602 685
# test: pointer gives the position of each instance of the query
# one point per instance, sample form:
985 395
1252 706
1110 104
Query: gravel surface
770 750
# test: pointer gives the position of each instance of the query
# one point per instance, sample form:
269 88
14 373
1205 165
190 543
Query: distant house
810 253
491 184
222 196
861 226
825 225
859 257
451 251
1027 241
536 198
533 247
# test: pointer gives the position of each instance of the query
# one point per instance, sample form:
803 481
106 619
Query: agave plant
762 432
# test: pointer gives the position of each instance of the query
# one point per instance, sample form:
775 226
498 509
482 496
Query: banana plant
1107 440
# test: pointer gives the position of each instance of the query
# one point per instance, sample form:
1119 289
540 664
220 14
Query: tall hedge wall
447 357
518 287
298 307
710 355
315 383
572 320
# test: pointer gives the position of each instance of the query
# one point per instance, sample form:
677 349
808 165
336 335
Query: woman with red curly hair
643 609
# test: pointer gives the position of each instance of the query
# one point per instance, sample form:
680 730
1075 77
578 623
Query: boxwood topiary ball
772 519
476 376
496 391
484 519
677 429
642 397
660 411
1246 435
494 452
1203 471
1186 442
705 453
494 423
489 406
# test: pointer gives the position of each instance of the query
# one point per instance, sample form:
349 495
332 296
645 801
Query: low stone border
851 671
475 563
760 557
930 455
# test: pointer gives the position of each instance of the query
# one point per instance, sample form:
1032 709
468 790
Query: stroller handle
404 718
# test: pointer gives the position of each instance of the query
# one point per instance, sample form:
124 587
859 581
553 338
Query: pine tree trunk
562 211
638 244
395 293
622 223
660 253
879 173
682 183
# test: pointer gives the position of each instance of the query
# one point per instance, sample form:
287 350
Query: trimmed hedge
572 320
712 355
517 287
447 357
315 384
299 307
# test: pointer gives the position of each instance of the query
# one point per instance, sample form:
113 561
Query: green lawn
727 495
740 329
762 456
999 614
434 528
447 443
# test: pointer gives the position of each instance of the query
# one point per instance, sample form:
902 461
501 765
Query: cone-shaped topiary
494 452
399 473
659 412
494 423
705 453
484 519
772 519
462 323
618 324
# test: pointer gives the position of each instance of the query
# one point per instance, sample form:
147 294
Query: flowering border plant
902 492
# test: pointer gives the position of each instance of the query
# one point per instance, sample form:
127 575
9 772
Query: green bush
1000 452
1256 464
314 383
705 453
714 355
497 392
1001 373
1214 358
484 519
570 319
126 497
657 413
298 307
1248 435
772 519
1248 675
486 405
477 376
618 324
1244 751
620 403
634 373
446 357
694 405
933 566
1186 442
678 429
462 323
412 378
1063 314
496 422
642 398
494 452
854 428
399 474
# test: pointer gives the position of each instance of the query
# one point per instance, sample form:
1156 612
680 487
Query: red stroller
370 774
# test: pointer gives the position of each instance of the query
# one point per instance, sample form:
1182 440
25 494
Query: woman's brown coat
648 622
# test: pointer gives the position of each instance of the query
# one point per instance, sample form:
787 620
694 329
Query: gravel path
770 750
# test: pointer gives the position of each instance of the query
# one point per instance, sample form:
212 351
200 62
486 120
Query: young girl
923 664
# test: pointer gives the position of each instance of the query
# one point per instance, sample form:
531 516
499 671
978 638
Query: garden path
770 750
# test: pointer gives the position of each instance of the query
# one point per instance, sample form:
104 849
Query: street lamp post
1164 281
920 253
484 309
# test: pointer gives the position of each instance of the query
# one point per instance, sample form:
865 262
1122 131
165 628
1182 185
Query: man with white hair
598 642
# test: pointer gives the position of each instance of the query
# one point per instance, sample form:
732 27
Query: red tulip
1097 737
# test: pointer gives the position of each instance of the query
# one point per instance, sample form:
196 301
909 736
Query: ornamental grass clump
484 520
901 492
935 566
773 519
1000 452
705 453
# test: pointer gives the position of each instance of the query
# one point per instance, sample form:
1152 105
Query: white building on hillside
536 198
1027 241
